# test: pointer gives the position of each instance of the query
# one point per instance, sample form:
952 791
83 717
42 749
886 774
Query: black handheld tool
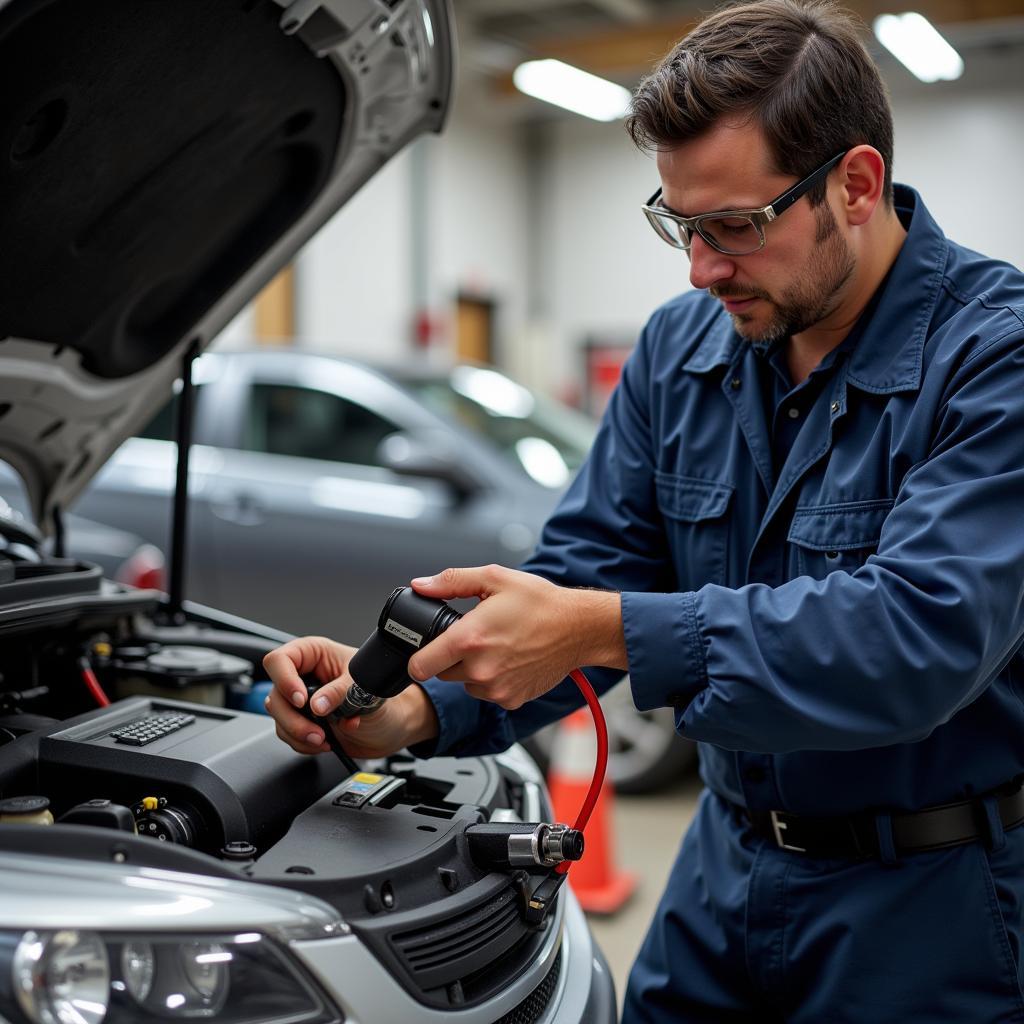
407 622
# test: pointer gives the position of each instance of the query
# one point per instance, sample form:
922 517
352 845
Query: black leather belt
857 835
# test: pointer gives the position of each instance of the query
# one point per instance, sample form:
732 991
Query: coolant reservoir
25 810
196 674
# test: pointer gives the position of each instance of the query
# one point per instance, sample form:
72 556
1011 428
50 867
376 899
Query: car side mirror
421 455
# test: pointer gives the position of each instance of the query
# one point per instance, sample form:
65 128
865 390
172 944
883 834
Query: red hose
92 684
602 756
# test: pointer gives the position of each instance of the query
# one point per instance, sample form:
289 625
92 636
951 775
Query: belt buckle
778 827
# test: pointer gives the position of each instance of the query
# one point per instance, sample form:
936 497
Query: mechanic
800 526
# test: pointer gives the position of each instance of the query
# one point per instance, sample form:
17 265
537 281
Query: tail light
145 569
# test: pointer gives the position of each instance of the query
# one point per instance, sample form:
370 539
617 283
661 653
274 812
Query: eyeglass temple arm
789 197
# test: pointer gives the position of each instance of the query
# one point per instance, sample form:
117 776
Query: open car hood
160 161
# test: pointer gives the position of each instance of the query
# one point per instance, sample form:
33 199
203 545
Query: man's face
797 279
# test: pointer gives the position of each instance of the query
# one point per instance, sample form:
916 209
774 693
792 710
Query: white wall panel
964 155
479 217
608 269
353 279
357 286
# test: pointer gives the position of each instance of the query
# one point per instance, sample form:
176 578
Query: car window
287 420
162 426
547 440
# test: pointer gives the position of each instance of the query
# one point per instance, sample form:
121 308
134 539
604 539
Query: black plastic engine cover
227 766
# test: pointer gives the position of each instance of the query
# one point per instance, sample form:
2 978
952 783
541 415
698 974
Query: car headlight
61 977
84 977
138 965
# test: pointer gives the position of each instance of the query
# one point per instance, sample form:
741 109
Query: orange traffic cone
599 886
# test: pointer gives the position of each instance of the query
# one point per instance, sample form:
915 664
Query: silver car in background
318 484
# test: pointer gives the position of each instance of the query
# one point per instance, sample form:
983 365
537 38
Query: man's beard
811 298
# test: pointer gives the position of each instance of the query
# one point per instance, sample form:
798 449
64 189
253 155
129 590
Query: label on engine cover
402 633
357 789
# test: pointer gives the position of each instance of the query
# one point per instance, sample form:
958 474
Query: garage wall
607 269
353 282
445 216
963 154
965 157
546 221
479 218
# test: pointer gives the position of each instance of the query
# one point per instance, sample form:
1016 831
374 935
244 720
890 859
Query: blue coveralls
834 608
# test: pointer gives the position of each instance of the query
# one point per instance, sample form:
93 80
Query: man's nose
708 266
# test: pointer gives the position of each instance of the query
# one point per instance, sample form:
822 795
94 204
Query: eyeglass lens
732 235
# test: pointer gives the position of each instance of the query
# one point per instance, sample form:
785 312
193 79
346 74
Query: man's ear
861 175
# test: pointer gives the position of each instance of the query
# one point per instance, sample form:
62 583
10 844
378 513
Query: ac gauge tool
379 670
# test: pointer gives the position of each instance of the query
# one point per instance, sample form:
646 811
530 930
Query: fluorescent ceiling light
914 42
569 87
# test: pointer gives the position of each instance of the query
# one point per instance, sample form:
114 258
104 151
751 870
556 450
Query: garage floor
649 830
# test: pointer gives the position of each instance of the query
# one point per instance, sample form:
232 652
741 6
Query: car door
311 532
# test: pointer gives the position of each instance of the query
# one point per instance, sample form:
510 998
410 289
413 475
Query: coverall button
793 412
735 383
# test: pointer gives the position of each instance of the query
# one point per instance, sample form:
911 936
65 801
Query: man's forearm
599 625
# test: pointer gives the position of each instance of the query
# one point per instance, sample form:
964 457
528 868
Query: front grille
474 945
455 948
534 1005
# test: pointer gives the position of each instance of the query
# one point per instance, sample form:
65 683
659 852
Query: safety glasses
731 232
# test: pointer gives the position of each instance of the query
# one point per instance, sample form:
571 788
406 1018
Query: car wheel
645 753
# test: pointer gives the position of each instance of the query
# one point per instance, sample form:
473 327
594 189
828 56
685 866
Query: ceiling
622 39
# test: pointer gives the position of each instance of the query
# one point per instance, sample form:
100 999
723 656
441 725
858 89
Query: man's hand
402 721
524 637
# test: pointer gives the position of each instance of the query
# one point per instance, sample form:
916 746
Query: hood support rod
179 523
59 546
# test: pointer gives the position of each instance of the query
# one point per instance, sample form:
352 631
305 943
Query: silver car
318 484
163 856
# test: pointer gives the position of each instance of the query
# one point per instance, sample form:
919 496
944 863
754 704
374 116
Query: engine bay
177 772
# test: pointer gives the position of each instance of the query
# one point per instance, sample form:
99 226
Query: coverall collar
883 361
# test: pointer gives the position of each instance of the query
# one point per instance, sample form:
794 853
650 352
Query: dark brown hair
798 69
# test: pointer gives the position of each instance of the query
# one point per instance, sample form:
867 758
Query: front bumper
583 993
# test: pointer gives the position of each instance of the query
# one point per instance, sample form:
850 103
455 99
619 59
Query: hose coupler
534 846
358 702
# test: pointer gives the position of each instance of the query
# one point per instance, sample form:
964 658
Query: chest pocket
827 538
695 513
